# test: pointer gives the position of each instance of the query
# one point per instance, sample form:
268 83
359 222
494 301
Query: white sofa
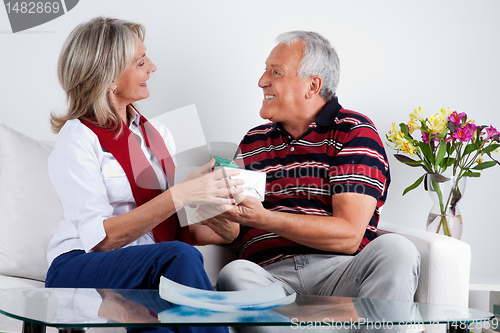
30 212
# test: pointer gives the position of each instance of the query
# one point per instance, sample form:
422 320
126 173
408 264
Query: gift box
255 182
254 186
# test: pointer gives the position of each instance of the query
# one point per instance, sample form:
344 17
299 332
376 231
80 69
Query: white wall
395 56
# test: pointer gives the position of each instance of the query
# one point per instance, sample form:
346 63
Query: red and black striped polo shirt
340 152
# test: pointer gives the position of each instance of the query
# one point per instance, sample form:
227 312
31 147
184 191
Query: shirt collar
135 117
328 113
325 117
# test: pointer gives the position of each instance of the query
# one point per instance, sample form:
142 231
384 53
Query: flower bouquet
451 147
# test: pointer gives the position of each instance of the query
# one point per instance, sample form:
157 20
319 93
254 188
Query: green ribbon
224 162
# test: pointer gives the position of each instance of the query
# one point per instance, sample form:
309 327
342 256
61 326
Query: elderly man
327 180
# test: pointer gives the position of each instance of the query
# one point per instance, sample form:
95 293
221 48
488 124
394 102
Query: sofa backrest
30 210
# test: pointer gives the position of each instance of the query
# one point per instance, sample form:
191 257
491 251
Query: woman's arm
198 188
76 170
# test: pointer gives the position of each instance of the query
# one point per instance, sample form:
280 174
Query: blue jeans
134 267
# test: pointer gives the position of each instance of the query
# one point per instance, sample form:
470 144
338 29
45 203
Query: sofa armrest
444 265
214 258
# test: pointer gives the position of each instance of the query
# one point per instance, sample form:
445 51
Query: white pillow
30 210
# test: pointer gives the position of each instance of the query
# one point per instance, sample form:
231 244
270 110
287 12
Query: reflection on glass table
83 308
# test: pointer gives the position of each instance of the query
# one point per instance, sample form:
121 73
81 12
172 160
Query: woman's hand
201 171
248 211
201 187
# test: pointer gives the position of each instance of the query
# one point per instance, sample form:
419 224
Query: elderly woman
113 171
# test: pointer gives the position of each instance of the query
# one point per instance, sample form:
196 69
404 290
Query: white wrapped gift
255 182
254 186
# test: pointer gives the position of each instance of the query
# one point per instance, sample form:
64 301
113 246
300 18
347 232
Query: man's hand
248 212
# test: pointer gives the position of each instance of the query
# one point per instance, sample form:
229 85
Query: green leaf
469 149
442 134
449 161
491 147
479 130
426 150
404 128
452 126
485 165
437 178
440 154
406 160
414 185
472 174
406 133
451 149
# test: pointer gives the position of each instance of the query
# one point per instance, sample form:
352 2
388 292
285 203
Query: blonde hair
95 55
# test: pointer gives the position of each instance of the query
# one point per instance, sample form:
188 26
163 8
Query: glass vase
445 192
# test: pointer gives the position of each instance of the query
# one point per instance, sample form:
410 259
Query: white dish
263 298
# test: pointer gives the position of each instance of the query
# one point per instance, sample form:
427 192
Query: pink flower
471 127
425 137
463 134
490 131
456 118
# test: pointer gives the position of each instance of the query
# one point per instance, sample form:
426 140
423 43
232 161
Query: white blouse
92 186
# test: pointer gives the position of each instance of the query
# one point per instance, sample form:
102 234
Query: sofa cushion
30 209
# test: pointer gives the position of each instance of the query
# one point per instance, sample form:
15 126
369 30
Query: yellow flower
396 137
407 148
393 132
438 122
479 160
445 113
416 117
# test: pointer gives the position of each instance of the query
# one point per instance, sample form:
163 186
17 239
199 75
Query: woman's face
132 85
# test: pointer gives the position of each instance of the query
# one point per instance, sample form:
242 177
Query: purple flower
471 128
425 137
463 134
490 131
456 118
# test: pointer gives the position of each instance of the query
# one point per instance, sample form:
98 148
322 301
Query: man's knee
399 253
393 267
395 245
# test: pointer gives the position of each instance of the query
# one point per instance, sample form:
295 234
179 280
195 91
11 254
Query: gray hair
95 55
320 58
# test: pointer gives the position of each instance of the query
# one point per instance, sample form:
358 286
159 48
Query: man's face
284 91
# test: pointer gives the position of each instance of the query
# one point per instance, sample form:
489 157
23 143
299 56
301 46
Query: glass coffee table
79 309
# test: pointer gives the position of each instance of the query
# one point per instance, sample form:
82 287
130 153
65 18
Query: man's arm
341 232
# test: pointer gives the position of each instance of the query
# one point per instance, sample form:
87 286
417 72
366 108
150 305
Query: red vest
140 174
